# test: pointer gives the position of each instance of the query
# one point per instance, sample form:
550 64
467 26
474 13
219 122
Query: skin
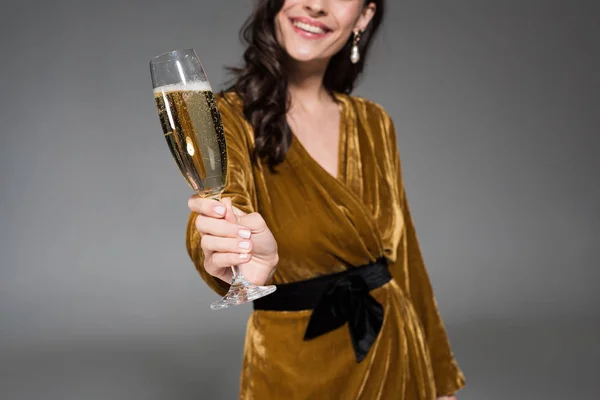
220 224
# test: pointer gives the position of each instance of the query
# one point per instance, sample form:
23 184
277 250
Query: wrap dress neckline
347 188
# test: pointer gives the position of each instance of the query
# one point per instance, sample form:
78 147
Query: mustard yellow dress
323 225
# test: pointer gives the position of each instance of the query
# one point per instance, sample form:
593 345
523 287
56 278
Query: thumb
254 221
239 213
229 214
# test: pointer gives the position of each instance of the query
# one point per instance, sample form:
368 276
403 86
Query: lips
309 28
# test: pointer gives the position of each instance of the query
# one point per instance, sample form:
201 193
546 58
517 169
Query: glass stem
235 275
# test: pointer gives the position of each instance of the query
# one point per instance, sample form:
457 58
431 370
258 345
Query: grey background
496 104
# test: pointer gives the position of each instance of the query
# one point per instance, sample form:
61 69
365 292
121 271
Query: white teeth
308 28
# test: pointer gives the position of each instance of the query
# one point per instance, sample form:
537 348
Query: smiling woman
315 204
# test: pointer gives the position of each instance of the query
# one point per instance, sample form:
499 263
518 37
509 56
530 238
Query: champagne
192 126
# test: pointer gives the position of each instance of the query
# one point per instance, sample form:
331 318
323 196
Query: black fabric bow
348 300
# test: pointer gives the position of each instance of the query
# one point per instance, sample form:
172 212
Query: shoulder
230 103
370 111
369 106
231 108
374 116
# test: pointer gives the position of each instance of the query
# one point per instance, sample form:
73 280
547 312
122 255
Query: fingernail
244 256
244 234
220 210
244 245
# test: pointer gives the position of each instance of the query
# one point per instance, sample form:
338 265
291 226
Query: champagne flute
192 126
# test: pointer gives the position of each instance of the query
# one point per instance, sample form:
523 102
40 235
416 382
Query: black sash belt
336 299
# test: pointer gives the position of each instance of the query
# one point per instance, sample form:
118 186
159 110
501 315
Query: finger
229 214
224 260
238 212
254 221
221 228
225 245
223 273
207 207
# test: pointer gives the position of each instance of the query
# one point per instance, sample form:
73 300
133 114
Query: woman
315 190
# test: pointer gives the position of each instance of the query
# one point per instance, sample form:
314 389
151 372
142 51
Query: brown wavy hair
262 81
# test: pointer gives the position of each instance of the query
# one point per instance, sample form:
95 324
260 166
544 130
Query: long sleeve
239 184
410 271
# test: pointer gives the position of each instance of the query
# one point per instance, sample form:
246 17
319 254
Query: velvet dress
323 225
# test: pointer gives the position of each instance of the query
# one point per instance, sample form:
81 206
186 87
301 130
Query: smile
315 30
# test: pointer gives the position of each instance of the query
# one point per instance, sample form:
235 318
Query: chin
304 56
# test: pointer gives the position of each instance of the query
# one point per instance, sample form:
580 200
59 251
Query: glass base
241 292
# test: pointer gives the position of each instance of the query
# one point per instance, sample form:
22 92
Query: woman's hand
232 237
447 398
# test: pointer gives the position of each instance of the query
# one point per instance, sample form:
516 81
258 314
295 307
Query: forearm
448 376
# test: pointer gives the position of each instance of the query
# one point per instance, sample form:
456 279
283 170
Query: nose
316 8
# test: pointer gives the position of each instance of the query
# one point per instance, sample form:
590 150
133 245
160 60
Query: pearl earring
354 53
